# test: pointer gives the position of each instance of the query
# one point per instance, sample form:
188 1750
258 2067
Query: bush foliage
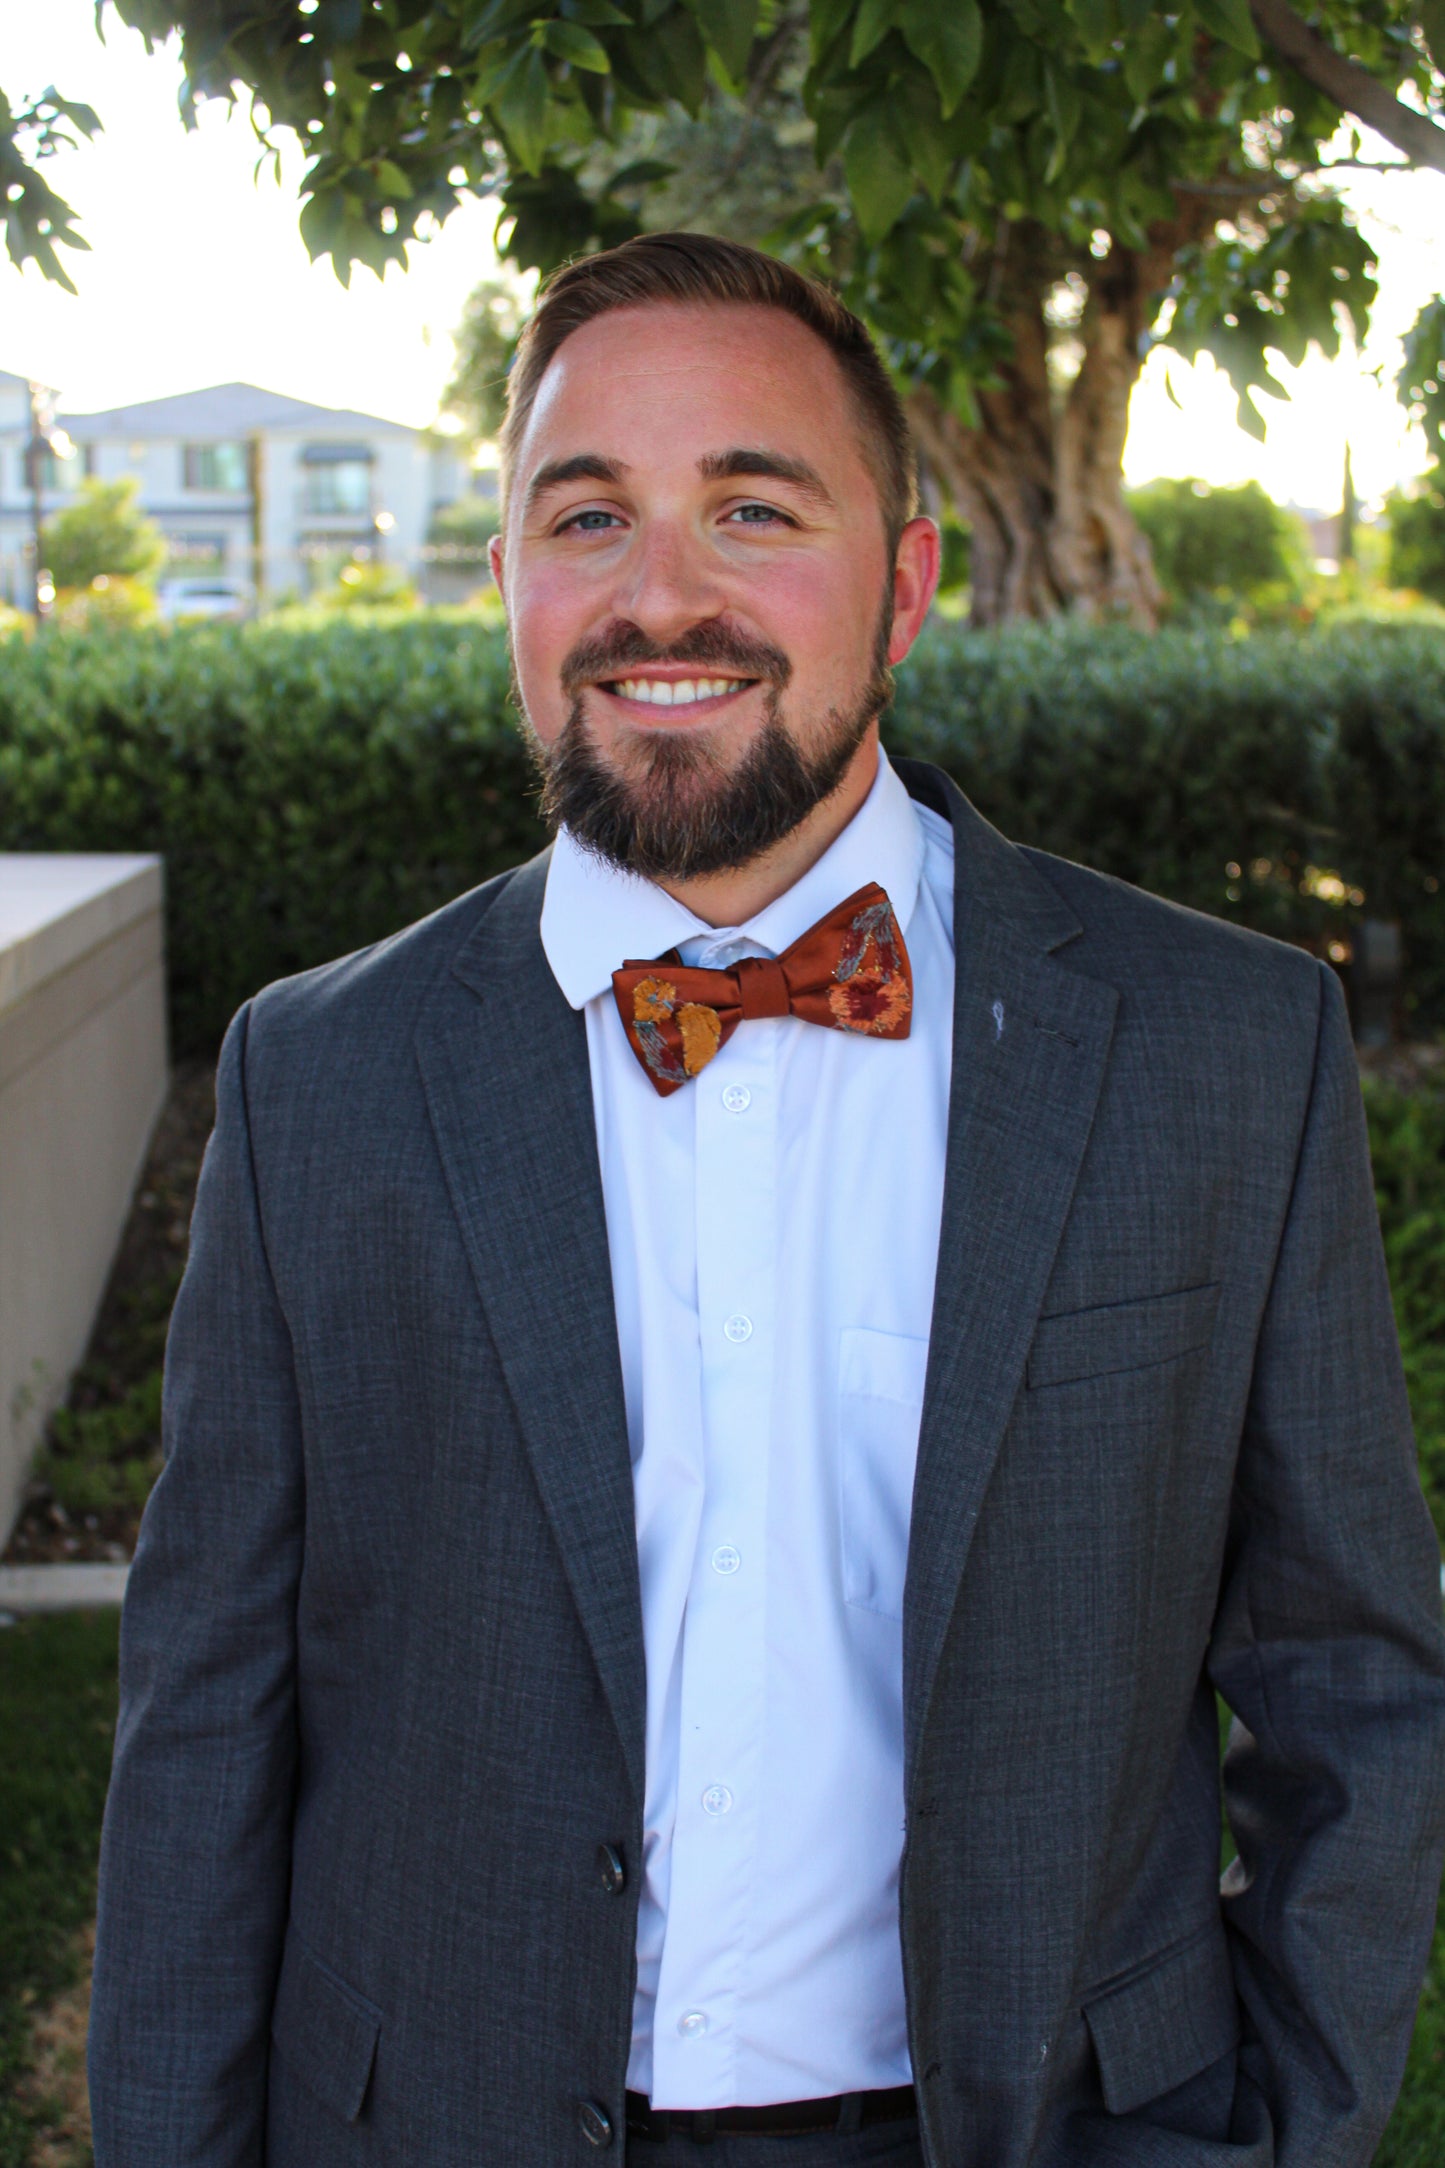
314 787
104 533
1417 536
1227 546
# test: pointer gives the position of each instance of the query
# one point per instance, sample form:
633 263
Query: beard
670 809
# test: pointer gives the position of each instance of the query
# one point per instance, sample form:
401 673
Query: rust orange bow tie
850 971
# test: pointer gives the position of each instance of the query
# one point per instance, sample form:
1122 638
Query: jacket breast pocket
1162 2024
880 1401
1071 1345
325 2030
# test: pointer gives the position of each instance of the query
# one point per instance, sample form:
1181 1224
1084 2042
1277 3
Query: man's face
697 583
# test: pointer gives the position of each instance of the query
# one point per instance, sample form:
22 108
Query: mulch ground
129 1338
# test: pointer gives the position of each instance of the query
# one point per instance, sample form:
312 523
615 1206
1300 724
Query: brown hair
698 267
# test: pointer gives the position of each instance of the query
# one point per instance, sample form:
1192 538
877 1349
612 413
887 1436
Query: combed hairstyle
698 267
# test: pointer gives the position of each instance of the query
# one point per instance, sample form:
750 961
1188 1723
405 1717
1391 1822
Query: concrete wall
82 1078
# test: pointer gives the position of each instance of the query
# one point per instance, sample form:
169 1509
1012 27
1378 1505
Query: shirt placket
702 1981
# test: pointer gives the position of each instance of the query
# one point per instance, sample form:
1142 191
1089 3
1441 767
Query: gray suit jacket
382 1657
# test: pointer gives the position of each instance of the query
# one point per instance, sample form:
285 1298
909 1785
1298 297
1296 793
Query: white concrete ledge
82 1079
25 1590
56 906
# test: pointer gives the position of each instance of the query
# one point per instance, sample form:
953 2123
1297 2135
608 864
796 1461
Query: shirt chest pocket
880 1402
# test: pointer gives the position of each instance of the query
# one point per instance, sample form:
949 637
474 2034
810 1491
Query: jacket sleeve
1328 1648
195 1857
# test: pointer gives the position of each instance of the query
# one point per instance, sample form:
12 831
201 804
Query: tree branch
1352 87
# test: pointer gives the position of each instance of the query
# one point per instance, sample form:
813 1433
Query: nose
667 583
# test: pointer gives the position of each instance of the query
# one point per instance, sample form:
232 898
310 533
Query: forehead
665 381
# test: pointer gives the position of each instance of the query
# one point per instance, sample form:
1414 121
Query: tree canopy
1018 197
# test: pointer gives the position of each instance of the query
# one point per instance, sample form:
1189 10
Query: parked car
205 596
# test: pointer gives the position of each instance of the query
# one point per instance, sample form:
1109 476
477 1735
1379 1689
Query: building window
344 487
220 467
196 552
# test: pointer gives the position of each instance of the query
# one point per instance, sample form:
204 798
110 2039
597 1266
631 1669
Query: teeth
663 693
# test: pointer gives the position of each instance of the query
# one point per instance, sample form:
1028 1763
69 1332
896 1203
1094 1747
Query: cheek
546 619
822 616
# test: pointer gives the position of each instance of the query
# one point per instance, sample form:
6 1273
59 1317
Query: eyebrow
738 463
745 461
581 467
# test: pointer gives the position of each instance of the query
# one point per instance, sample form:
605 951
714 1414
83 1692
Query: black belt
845 2111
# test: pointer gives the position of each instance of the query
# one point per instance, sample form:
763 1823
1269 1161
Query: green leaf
1145 55
521 109
683 57
1064 101
598 14
871 26
729 26
825 19
880 180
578 47
391 180
642 173
1432 22
1097 22
948 39
1231 21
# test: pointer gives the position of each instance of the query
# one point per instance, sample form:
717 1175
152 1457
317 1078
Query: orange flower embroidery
701 1030
652 1000
869 1003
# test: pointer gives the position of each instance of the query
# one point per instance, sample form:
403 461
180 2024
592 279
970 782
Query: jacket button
596 2123
611 1869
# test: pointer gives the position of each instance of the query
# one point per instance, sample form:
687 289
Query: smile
676 692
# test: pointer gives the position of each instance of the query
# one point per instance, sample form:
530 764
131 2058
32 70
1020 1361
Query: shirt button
737 1098
739 1328
725 1559
692 2024
717 1799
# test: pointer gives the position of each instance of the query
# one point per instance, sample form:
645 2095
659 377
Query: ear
494 559
915 579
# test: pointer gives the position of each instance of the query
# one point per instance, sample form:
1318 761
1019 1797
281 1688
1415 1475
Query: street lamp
44 438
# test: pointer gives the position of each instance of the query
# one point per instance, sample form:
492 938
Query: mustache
713 646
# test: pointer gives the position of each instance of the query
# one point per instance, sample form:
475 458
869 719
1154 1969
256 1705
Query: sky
197 275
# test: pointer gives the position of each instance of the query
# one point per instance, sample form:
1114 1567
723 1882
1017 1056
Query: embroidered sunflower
701 1029
653 1000
872 1004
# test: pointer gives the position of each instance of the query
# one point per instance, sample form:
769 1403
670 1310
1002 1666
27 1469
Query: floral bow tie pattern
849 972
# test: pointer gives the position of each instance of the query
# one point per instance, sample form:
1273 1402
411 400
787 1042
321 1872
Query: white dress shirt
773 1231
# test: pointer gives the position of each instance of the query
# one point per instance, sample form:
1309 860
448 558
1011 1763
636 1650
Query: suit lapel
1031 1043
504 1062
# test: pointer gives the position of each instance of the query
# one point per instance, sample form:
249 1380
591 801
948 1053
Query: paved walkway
27 1589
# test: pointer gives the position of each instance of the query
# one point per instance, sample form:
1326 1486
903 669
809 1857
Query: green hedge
312 788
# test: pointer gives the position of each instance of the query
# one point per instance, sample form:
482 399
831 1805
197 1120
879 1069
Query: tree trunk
1039 480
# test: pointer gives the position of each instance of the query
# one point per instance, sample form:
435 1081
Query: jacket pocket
1075 1344
880 1402
1157 2028
325 2030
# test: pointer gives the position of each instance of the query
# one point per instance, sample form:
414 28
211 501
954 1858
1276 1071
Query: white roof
227 411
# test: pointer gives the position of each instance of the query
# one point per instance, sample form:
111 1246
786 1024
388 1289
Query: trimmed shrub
1417 536
1223 546
314 787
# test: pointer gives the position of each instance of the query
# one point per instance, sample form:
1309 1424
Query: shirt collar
595 917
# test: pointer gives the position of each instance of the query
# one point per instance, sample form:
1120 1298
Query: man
737 1393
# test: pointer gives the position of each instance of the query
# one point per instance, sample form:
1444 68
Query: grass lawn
57 1719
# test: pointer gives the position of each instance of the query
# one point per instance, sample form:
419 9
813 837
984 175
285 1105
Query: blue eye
756 515
593 522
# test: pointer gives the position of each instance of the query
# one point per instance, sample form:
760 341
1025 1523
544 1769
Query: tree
103 535
1019 199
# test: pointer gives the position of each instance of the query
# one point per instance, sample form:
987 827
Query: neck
733 897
